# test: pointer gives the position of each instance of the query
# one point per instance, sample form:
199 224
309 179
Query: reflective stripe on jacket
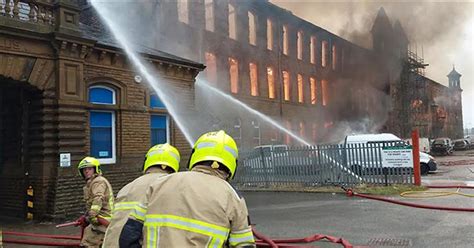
128 202
195 209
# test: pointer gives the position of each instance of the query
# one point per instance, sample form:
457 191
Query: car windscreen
439 142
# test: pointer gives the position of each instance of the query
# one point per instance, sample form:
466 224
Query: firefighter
99 199
160 160
197 208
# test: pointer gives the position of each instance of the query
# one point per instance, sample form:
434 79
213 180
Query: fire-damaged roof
92 28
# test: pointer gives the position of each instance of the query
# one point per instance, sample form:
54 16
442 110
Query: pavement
363 222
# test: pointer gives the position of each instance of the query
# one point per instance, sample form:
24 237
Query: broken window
285 40
324 91
313 90
253 79
269 34
183 11
271 83
209 8
234 75
252 29
232 20
334 57
211 68
324 53
300 89
312 48
299 44
286 85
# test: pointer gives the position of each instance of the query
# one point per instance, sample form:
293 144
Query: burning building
67 90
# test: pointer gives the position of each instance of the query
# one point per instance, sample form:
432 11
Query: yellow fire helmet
216 146
89 162
162 154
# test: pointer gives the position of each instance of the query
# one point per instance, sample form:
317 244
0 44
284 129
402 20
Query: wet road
362 222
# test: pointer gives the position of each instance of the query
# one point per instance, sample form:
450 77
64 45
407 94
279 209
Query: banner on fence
397 156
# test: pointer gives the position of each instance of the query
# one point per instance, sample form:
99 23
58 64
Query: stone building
315 83
65 89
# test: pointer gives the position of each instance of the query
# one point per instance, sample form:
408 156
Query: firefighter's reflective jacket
99 199
127 202
197 208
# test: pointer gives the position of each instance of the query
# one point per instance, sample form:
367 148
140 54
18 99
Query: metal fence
318 166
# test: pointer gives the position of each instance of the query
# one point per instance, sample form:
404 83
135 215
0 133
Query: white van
427 162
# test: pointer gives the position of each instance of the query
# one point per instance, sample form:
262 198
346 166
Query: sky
441 31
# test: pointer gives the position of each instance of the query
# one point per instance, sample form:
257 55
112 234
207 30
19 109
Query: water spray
202 83
141 67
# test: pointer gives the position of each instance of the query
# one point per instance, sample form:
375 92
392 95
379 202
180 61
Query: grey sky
444 29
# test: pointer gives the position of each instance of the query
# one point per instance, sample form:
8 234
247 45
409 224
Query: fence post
416 156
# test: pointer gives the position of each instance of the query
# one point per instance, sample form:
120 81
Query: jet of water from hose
140 66
202 83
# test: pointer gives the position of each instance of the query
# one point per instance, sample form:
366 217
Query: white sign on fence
398 157
65 159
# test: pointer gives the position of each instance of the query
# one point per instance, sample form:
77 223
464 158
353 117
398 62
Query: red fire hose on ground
350 193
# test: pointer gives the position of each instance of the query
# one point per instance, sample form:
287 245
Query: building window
324 91
312 48
269 34
300 89
253 79
237 130
209 9
234 75
334 57
159 129
102 125
299 44
183 11
101 95
211 68
155 102
286 85
314 132
313 90
232 20
252 29
285 40
302 129
287 136
271 83
324 53
256 135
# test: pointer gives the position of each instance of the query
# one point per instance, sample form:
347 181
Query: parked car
470 139
427 162
461 144
442 146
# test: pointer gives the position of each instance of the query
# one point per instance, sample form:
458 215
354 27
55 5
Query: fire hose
350 193
264 241
79 222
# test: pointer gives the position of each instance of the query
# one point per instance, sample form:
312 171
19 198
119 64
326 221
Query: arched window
102 124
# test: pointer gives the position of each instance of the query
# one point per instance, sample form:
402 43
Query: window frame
104 108
167 127
113 159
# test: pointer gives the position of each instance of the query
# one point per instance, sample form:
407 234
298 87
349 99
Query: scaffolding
414 100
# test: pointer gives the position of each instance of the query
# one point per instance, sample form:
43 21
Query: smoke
440 31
